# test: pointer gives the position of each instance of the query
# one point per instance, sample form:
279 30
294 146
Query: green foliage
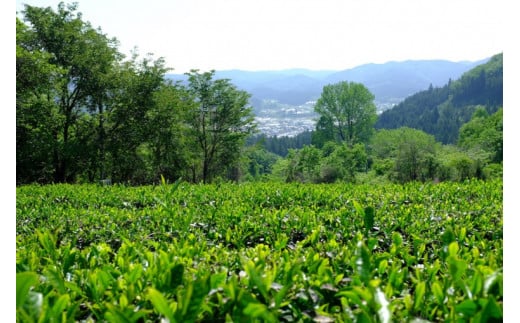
281 145
219 122
483 136
262 252
74 62
347 114
482 85
258 162
414 154
343 162
335 162
442 111
456 165
85 114
81 109
303 164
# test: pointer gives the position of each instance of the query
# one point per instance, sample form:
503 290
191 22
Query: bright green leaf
24 282
160 304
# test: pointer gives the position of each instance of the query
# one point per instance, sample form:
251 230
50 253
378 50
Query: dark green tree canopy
347 113
85 112
72 62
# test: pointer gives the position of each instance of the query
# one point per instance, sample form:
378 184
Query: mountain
390 82
396 80
282 100
441 111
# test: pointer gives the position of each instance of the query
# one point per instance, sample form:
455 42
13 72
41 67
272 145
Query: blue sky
270 34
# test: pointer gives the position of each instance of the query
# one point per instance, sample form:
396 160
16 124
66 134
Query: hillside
389 82
441 111
283 100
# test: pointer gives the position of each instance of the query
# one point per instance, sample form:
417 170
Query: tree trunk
101 142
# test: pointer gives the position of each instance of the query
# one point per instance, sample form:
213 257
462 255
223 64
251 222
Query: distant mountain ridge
389 82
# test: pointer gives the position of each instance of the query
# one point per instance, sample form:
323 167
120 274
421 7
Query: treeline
84 113
442 111
281 145
394 155
458 140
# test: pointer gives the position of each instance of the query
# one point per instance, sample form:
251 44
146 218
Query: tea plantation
419 252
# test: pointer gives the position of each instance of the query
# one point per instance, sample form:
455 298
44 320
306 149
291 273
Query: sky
312 34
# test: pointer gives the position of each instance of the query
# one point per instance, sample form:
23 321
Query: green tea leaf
218 280
258 310
467 307
24 282
420 290
363 317
48 242
160 304
397 239
383 264
198 291
448 236
490 281
176 185
61 305
358 208
491 310
369 214
477 284
456 268
56 278
363 262
438 292
453 249
163 181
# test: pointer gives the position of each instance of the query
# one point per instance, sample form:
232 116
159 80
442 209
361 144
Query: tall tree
131 116
347 113
220 123
168 141
36 110
82 57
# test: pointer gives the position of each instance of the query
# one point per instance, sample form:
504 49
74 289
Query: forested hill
389 82
441 111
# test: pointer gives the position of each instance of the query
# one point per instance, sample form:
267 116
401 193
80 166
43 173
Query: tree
78 58
342 162
455 164
483 135
442 111
168 143
258 162
304 164
36 111
347 113
132 125
219 123
412 152
83 113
